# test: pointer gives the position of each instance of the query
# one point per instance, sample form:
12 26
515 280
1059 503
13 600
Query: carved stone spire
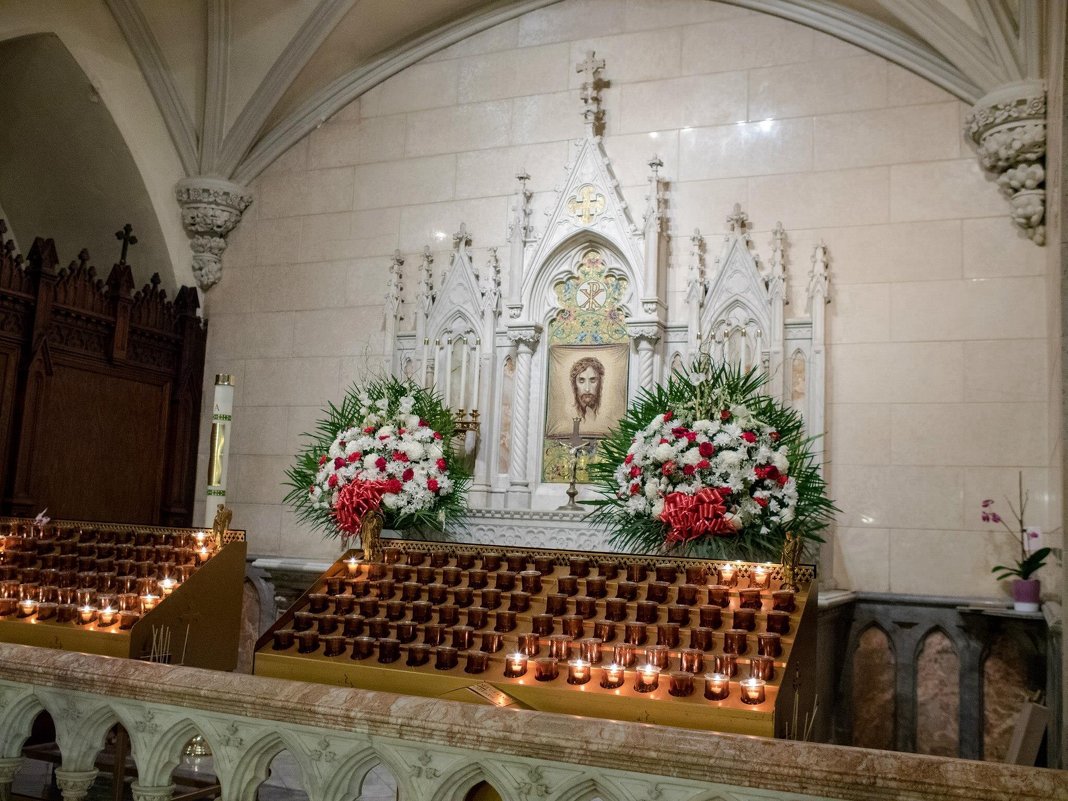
211 208
590 92
395 288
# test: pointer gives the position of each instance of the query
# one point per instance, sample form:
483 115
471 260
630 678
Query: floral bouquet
707 465
385 449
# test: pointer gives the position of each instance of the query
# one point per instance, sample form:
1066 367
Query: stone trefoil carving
1008 127
211 208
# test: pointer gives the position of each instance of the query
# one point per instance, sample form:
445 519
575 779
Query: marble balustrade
437 750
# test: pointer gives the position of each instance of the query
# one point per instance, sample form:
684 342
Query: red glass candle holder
735 641
646 678
545 668
504 621
604 630
717 686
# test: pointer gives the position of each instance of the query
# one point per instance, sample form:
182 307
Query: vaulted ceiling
240 81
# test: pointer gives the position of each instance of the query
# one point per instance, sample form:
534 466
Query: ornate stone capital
211 208
9 766
525 335
645 333
1008 127
75 784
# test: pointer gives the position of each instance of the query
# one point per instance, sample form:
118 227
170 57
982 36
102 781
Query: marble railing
437 750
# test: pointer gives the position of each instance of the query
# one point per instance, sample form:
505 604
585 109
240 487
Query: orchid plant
1030 561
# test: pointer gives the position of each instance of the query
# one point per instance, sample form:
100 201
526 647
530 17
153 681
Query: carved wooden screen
100 392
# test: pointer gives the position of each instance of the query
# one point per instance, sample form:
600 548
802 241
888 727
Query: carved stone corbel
1008 127
211 208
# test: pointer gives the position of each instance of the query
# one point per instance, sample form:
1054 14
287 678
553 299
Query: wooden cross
586 204
127 238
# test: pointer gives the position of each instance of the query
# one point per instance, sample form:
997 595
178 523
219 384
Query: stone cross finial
655 163
461 239
127 238
738 220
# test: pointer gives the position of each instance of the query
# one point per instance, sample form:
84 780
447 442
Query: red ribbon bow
355 501
693 516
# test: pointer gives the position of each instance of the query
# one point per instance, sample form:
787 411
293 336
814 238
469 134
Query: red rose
761 501
437 435
707 449
323 459
725 415
355 456
394 486
380 462
691 436
629 459
635 488
749 437
422 422
782 479
442 466
432 484
668 416
369 430
339 463
678 432
408 474
332 481
635 471
725 491
400 456
688 469
704 464
668 468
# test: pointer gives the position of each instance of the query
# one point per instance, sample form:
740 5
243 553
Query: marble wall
939 360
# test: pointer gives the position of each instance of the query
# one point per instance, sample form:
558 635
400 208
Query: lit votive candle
148 603
717 686
203 554
612 676
352 565
106 616
200 537
753 691
727 575
578 671
27 607
86 614
759 577
167 586
515 665
647 678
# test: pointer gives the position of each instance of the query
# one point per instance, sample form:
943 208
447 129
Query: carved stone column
211 208
8 768
645 338
75 784
1009 128
142 793
526 339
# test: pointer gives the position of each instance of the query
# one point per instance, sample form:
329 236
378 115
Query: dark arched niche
65 170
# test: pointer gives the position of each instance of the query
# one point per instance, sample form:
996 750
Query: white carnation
664 452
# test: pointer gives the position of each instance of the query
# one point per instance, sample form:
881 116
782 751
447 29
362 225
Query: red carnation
725 415
668 468
664 441
408 474
703 464
679 432
355 456
635 471
749 436
688 469
437 435
369 430
323 459
442 466
422 422
629 459
761 501
339 463
380 462
342 444
668 416
782 479
401 431
332 481
691 436
400 456
775 435
635 488
394 486
707 449
432 484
